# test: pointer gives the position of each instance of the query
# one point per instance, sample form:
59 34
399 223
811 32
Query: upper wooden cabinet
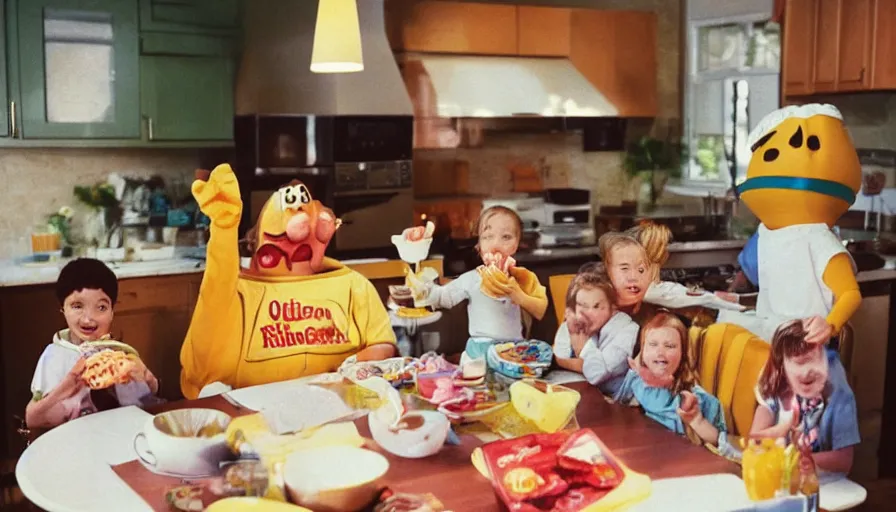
452 27
616 51
838 46
543 31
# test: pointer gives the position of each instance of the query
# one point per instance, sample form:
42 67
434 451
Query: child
494 320
795 392
596 340
87 291
683 406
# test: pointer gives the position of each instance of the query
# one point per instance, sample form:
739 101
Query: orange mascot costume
293 312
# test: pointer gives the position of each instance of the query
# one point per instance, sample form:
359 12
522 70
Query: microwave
360 166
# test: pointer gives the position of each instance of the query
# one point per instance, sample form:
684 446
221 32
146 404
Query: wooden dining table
642 444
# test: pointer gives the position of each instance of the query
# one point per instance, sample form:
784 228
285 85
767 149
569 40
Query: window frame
695 76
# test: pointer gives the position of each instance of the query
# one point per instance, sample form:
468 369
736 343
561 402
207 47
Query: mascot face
292 233
804 168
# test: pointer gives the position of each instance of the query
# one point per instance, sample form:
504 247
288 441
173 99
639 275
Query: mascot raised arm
293 312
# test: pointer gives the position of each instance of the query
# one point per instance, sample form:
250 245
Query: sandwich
495 272
108 363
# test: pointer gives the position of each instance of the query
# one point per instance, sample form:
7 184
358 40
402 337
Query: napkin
305 407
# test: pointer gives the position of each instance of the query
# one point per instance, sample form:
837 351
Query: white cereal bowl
334 478
183 455
426 438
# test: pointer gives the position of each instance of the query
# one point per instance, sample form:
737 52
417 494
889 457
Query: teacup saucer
175 475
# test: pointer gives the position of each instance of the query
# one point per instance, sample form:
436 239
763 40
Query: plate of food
520 359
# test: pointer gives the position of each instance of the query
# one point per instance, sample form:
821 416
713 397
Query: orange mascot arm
839 277
211 350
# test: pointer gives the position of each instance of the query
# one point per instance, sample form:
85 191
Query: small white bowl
189 456
427 438
334 478
411 252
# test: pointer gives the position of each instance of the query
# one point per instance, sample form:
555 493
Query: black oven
349 163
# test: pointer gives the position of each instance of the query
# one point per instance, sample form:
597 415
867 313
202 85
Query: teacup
185 442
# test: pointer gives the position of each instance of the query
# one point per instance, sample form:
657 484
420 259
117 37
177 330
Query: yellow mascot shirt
286 327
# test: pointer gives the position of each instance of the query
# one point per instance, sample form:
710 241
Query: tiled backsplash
871 118
39 181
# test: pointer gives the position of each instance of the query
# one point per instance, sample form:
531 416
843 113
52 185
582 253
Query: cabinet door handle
13 129
149 127
862 75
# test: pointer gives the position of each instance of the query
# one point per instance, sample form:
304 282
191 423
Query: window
733 67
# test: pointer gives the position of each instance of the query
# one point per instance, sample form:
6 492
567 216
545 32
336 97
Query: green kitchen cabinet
78 69
6 124
186 87
191 16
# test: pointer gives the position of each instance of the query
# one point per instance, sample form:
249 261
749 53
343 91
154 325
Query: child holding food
596 339
500 295
81 358
681 405
795 392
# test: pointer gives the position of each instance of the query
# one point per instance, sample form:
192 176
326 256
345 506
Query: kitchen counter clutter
560 253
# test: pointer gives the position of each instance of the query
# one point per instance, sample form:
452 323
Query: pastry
108 367
495 273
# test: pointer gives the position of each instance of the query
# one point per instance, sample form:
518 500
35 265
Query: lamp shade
337 38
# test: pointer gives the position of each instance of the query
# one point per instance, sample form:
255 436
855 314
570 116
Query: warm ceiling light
337 38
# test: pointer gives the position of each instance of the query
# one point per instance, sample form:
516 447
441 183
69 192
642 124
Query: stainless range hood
468 86
275 76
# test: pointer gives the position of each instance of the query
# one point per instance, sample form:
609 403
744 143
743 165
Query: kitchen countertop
559 253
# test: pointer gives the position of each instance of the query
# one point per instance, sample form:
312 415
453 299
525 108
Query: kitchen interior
583 115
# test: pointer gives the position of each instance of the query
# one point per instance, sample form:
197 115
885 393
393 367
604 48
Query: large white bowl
334 478
187 456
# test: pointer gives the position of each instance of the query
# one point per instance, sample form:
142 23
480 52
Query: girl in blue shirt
664 384
795 390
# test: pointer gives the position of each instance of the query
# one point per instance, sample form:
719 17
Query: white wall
713 9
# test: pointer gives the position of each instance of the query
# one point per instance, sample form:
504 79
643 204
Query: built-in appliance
358 165
530 208
568 218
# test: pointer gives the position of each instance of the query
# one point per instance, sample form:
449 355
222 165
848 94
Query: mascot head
292 233
804 168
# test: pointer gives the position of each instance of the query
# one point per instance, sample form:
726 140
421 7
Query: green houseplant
107 211
654 161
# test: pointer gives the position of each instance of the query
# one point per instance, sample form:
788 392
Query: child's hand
688 410
511 290
73 382
578 340
141 373
649 378
818 330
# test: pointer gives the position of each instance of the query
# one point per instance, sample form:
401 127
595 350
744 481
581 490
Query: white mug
182 456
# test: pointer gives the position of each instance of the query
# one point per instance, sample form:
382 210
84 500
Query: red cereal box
559 472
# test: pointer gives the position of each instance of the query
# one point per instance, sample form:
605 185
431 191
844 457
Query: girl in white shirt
596 339
495 319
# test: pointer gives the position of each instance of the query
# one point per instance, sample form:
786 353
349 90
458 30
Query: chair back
558 285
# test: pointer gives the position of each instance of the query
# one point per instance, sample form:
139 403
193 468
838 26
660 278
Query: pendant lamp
337 38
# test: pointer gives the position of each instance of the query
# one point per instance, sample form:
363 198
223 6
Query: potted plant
654 161
60 222
106 211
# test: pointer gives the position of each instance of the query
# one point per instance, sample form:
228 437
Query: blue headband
826 187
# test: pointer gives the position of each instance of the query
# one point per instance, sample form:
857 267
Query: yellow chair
558 286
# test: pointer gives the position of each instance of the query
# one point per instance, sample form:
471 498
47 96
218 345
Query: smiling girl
795 391
683 406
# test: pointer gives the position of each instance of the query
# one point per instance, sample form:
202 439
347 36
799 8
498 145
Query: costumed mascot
293 313
803 176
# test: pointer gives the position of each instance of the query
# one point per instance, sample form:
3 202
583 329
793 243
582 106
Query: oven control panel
360 176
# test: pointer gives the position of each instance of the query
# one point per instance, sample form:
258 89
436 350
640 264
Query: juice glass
42 240
763 467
